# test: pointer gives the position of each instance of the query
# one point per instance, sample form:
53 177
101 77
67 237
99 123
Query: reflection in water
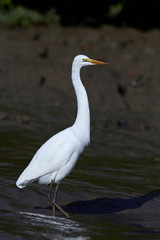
54 227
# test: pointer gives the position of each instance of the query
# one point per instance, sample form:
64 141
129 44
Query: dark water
113 192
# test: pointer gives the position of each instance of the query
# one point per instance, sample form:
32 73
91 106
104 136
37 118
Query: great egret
56 157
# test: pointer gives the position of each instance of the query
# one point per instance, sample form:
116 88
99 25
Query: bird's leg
50 192
54 204
54 200
49 198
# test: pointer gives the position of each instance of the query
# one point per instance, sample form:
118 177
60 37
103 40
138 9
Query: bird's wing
51 156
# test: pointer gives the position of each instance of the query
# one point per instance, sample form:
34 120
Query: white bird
56 158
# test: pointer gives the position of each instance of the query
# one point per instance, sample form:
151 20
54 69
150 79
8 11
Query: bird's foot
55 205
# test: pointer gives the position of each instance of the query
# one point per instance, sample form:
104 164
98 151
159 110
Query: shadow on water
109 205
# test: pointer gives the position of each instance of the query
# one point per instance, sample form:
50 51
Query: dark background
135 13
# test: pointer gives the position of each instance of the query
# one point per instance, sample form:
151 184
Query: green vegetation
12 16
115 9
135 13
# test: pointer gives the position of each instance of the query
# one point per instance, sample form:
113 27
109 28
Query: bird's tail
25 179
22 184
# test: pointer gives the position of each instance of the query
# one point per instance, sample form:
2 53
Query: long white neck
81 125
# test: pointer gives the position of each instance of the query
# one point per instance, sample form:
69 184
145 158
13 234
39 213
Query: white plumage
53 161
56 158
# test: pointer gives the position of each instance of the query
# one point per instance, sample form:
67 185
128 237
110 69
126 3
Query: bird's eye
85 60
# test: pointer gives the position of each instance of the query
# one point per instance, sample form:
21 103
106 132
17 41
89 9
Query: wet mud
36 65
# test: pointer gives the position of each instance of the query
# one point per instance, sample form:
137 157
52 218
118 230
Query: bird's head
82 60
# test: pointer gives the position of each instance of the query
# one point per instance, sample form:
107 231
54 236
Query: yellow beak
95 61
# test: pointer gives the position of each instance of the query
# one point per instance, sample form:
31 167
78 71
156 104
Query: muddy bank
35 67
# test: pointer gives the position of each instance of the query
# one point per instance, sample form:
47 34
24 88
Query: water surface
113 192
